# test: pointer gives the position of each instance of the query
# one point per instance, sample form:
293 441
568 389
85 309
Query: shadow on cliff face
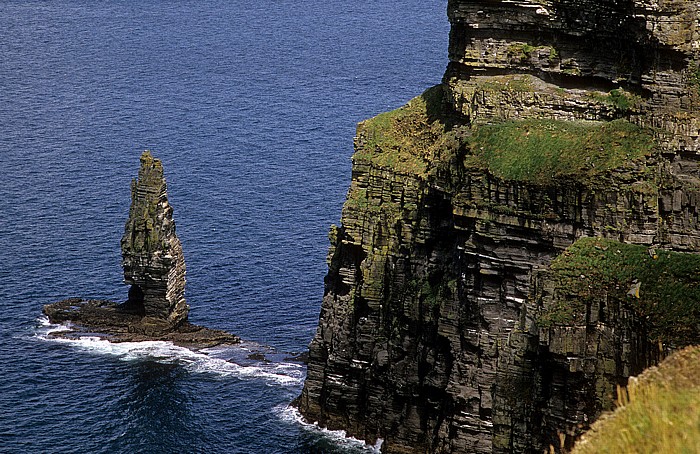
599 45
134 303
438 109
612 31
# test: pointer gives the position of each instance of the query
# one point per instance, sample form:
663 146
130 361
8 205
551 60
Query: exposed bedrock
569 54
518 241
152 256
154 267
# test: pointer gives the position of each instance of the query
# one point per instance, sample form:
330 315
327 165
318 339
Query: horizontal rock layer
152 255
444 326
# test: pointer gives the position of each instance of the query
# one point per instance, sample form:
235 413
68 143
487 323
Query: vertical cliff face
152 256
466 307
570 54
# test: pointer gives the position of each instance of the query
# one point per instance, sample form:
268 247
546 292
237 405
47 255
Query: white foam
203 361
339 437
46 327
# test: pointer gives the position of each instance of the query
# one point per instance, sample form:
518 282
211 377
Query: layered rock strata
461 311
568 55
154 266
152 256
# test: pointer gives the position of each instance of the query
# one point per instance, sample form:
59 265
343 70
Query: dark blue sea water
252 107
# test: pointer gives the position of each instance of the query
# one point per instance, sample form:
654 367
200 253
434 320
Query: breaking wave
223 361
338 437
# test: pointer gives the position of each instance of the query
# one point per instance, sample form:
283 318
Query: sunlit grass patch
658 412
540 150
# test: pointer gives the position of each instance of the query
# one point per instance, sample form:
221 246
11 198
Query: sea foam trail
338 437
215 361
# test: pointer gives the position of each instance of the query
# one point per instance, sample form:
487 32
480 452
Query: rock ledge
118 323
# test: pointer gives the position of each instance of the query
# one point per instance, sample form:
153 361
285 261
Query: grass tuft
658 412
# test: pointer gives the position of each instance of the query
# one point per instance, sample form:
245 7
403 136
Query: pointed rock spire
152 256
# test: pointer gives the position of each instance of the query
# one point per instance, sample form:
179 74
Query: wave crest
220 361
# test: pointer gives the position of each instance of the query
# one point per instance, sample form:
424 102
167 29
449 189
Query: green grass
622 101
405 139
539 151
658 414
421 137
523 51
669 297
694 70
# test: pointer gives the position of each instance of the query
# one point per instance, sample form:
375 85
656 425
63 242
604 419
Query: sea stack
152 257
154 266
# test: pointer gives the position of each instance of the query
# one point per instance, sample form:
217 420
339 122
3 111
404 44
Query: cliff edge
521 239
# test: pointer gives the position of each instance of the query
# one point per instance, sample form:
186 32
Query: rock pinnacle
152 257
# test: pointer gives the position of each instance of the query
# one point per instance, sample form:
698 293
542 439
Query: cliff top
424 135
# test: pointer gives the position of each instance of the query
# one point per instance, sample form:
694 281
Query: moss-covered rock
661 287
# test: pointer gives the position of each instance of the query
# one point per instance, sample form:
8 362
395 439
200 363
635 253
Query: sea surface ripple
252 107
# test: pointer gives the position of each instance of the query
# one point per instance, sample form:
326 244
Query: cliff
154 267
519 240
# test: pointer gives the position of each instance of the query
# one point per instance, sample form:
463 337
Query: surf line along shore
154 267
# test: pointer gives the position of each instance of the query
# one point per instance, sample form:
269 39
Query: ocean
252 108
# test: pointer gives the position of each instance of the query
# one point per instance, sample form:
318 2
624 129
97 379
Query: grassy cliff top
423 134
664 286
658 412
405 139
541 150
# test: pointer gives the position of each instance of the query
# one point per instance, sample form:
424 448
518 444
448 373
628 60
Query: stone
443 327
154 267
152 257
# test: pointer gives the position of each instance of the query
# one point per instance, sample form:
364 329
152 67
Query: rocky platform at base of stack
120 323
154 266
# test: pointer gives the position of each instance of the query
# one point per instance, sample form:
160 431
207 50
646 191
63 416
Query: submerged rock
154 265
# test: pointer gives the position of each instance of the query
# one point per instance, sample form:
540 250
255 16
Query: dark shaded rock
154 266
257 356
443 328
118 323
302 357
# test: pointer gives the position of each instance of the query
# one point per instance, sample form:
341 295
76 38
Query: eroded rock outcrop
451 321
154 266
152 256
